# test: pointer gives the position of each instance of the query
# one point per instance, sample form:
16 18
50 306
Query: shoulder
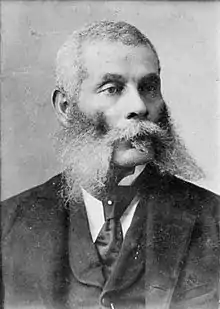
196 199
37 201
193 190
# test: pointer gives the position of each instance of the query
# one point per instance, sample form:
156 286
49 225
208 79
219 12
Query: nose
136 107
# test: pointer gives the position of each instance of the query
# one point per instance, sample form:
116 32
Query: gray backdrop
186 37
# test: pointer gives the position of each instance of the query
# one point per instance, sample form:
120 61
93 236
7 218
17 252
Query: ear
61 107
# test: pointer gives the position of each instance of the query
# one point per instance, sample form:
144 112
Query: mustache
138 132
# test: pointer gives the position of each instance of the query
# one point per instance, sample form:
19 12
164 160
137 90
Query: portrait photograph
110 154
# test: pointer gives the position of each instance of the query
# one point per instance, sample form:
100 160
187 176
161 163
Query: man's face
123 85
120 118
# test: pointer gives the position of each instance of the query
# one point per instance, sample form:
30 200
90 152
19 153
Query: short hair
70 71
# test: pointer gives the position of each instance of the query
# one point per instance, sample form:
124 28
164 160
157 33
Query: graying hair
70 71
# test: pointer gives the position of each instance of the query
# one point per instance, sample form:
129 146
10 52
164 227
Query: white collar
128 180
95 214
94 207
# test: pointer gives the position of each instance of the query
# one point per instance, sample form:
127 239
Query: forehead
132 62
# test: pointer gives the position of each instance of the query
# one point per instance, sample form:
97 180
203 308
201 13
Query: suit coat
169 258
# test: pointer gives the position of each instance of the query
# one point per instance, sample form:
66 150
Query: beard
86 151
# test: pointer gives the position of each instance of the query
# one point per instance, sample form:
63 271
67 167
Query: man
117 228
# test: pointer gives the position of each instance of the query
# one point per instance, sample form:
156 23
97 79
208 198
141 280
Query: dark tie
110 238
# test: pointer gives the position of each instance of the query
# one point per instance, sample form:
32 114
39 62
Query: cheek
115 116
90 105
155 110
94 110
96 105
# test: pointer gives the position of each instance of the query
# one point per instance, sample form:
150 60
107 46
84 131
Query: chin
132 157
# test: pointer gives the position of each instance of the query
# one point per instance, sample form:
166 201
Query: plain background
186 36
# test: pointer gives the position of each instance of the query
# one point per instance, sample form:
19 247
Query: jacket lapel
168 235
83 256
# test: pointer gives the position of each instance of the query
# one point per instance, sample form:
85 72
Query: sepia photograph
110 154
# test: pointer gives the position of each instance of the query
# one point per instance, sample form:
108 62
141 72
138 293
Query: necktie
110 238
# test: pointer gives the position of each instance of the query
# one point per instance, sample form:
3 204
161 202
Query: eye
150 87
111 89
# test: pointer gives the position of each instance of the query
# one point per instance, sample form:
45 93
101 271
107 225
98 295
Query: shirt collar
128 180
94 207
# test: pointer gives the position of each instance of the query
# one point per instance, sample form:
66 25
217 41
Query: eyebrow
110 78
151 76
113 77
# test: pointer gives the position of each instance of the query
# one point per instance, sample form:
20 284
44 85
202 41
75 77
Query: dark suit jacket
169 259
